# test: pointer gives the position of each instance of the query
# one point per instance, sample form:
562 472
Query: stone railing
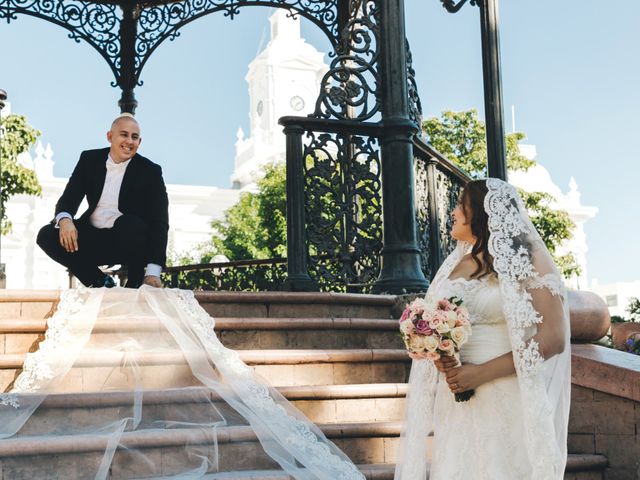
605 395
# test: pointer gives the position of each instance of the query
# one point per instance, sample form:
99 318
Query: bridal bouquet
431 330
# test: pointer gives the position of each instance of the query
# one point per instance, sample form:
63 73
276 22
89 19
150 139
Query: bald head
124 137
124 117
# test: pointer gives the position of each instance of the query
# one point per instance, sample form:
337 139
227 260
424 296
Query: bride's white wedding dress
515 427
487 430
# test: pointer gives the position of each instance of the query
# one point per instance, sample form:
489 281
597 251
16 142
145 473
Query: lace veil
133 347
536 311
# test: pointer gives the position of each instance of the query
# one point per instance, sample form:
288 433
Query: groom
127 220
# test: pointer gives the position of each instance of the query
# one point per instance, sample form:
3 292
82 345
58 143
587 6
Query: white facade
538 179
617 296
284 79
191 210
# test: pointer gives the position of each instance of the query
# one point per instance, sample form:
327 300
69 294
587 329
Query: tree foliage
17 137
254 228
461 137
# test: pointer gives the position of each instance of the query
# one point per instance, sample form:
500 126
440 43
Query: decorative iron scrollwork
343 210
423 224
164 21
349 90
99 23
415 105
95 23
452 7
447 191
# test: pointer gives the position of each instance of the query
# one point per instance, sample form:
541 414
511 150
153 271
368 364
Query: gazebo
368 200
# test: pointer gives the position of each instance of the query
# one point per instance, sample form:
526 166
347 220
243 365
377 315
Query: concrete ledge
221 323
201 394
250 357
295 297
64 444
606 370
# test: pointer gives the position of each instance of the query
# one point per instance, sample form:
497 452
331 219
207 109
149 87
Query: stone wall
605 408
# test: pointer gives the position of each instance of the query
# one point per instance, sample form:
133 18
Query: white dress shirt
106 212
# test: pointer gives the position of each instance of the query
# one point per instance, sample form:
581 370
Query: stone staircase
336 357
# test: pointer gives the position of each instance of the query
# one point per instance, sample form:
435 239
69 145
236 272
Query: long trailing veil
535 306
126 344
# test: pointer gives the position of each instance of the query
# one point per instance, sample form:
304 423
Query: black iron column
401 270
298 279
496 151
128 80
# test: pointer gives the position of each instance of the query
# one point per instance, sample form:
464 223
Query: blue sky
570 68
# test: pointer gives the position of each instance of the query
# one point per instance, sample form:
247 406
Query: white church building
282 80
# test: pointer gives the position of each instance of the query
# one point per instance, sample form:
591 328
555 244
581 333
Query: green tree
254 228
17 137
461 137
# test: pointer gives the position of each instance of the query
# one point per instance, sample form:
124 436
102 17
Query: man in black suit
127 221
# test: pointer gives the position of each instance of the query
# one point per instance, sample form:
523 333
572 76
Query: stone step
278 367
321 404
74 455
365 443
23 335
35 304
577 469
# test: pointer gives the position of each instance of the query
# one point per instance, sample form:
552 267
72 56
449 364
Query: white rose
430 343
452 317
459 335
406 327
430 306
443 328
415 343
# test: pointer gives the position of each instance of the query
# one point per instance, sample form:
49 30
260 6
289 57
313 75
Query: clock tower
284 79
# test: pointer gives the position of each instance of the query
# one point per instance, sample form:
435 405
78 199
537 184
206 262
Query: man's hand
68 235
152 281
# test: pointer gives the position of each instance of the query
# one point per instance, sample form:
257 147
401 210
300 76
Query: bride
517 359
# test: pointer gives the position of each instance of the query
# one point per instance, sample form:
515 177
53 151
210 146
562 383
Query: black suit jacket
142 193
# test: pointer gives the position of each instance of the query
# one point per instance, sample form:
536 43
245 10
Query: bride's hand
463 378
417 356
446 363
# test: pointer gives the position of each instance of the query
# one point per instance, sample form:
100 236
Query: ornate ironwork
343 210
448 191
99 24
349 90
415 105
247 276
452 7
95 23
423 223
164 21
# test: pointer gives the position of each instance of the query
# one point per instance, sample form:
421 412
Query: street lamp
496 151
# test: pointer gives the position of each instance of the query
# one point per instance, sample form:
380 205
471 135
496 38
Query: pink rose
445 304
434 322
447 345
405 315
422 326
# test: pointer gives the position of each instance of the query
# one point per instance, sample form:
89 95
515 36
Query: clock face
297 103
260 108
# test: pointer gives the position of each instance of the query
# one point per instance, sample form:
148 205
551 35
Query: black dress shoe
106 281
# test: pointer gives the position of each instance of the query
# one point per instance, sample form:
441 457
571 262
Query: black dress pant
123 244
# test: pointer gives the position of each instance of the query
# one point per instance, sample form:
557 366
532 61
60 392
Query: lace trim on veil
296 434
516 273
286 435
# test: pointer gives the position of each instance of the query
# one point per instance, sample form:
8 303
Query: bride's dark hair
472 204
